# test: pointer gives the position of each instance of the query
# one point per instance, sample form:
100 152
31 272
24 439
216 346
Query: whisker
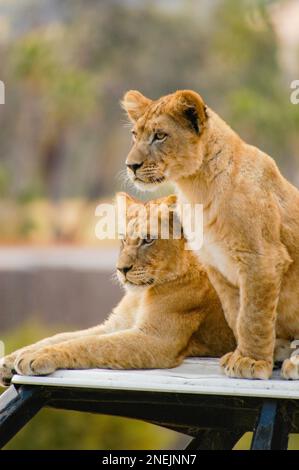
114 277
121 173
125 121
123 178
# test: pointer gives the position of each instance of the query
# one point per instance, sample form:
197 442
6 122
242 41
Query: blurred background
63 143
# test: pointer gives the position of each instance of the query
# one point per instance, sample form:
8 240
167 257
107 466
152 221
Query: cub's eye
148 241
160 136
134 135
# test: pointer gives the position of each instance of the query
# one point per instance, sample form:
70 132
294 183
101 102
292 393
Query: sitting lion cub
251 219
169 311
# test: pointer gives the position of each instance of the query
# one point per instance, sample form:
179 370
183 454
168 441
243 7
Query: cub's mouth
153 180
148 282
131 282
147 183
138 284
145 176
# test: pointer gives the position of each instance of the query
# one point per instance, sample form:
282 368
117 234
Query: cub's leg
122 318
260 280
195 349
157 342
290 366
229 295
282 349
125 350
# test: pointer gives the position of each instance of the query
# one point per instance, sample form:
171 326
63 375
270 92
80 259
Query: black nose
134 167
125 269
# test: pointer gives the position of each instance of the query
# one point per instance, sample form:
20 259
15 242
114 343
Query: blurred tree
70 61
253 94
63 98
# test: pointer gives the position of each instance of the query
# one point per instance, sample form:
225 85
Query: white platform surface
195 375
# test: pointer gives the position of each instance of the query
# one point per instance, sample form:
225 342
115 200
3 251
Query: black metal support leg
272 430
214 422
17 407
215 440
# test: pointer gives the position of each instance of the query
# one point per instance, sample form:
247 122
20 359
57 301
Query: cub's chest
213 251
214 254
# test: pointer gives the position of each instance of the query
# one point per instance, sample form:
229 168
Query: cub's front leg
260 280
229 295
159 340
131 349
7 363
121 318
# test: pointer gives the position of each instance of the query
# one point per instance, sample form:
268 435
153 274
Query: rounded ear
170 200
135 104
127 208
190 107
122 198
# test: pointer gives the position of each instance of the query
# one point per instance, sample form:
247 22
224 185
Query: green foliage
33 59
54 429
66 91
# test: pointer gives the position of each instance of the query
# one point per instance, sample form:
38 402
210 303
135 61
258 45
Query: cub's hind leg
282 349
290 366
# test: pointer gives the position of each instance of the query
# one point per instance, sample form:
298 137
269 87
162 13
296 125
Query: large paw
40 362
290 368
236 365
7 369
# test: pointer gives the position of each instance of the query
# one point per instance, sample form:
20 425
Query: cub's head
146 257
167 134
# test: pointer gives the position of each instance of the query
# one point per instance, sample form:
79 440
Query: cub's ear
127 208
135 104
123 198
170 201
190 107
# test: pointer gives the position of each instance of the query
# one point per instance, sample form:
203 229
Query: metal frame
214 422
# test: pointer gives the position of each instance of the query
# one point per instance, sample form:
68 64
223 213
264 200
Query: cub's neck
183 293
217 150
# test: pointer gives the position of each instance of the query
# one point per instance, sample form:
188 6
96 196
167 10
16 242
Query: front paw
41 362
7 369
236 365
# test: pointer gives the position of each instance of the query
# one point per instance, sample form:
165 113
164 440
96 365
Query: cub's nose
125 269
134 167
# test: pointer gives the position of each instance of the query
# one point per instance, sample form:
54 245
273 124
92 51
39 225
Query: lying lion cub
169 311
251 219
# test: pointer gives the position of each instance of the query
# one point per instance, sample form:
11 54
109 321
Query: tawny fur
170 311
251 219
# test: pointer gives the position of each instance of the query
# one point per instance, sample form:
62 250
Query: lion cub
250 215
169 311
